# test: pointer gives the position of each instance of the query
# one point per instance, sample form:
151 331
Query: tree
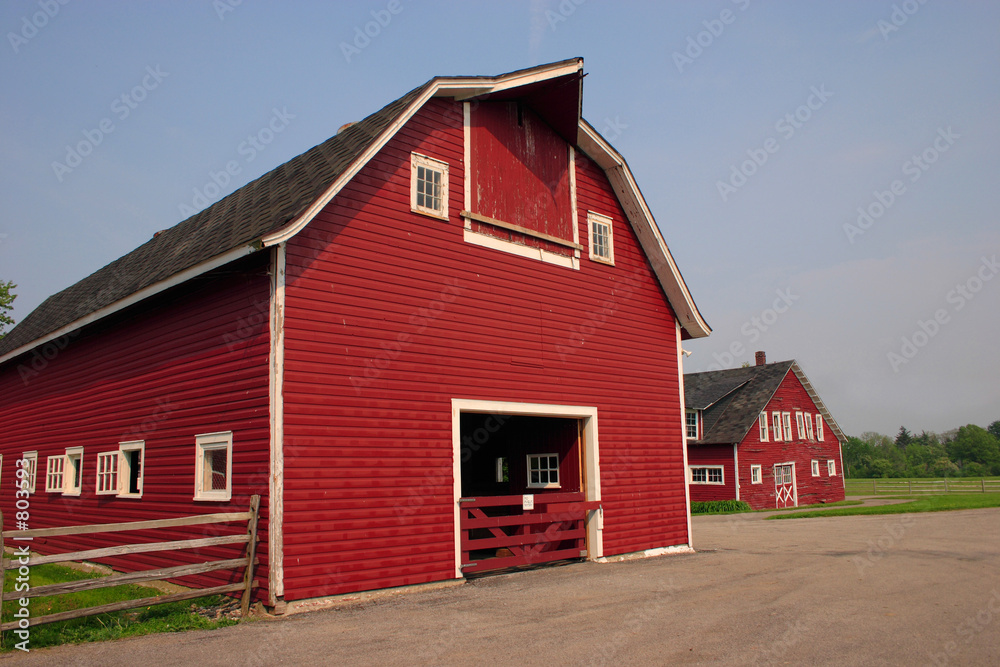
995 429
6 298
973 443
903 438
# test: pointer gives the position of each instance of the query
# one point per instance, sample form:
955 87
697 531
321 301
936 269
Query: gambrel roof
279 204
732 400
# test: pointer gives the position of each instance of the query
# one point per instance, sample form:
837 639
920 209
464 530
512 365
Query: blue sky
755 130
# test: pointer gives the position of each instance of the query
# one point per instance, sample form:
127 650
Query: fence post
983 480
251 555
874 486
909 487
946 485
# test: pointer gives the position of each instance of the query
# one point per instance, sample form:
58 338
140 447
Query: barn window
601 242
543 471
73 481
831 468
691 422
755 474
819 428
799 426
776 422
107 473
762 423
54 474
131 455
786 418
706 475
29 465
815 468
428 186
213 466
809 427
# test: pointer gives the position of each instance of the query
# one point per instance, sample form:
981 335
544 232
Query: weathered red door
785 494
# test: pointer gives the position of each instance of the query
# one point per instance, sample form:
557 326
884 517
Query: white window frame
687 426
815 468
831 467
707 476
776 423
125 469
55 469
416 162
800 427
756 474
211 442
786 418
594 219
809 427
104 460
762 420
70 489
544 485
32 466
819 428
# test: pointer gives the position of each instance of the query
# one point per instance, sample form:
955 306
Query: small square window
73 478
815 468
602 247
107 473
819 428
29 466
776 422
131 455
54 474
213 466
755 474
543 471
762 422
691 423
428 186
831 468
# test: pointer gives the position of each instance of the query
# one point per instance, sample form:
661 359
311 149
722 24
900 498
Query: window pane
215 470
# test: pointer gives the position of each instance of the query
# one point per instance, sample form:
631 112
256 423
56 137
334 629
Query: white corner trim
683 425
467 159
276 476
648 553
736 470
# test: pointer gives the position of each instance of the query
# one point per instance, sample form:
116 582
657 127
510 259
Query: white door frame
795 486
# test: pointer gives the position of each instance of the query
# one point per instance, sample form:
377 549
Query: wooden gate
784 485
499 532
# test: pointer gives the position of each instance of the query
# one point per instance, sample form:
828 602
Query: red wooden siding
193 360
713 455
390 315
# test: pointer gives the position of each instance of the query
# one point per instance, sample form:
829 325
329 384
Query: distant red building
763 435
404 339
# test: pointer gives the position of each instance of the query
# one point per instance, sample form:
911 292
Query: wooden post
909 487
251 555
983 480
874 486
946 485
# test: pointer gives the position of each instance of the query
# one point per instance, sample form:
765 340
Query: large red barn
455 310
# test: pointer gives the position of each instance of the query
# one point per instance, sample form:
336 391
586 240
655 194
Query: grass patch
814 506
719 507
172 617
943 503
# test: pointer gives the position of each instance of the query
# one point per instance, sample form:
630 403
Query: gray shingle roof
732 399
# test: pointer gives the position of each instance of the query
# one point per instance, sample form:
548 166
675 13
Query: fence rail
922 486
246 561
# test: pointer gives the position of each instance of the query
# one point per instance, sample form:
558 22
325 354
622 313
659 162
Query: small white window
543 471
786 417
800 426
602 248
776 422
73 478
831 468
29 464
819 428
54 474
755 474
428 186
213 466
762 420
130 465
809 427
691 423
107 473
706 475
815 468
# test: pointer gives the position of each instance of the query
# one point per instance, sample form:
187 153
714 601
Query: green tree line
970 451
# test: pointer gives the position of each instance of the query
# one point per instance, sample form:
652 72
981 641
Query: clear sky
825 173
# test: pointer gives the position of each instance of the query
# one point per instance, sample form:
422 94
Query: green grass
780 509
859 487
719 507
942 503
172 617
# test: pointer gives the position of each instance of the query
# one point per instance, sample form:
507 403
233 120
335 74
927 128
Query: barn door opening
525 491
785 493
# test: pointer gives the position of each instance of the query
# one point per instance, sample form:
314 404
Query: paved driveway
889 590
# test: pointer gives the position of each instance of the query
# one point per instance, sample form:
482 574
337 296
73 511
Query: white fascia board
132 299
820 405
641 219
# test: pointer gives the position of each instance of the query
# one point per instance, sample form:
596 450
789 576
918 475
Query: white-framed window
810 433
786 418
815 468
131 457
762 422
800 427
428 186
819 428
691 424
503 472
706 475
756 476
54 473
29 463
831 468
776 423
213 470
107 473
73 476
602 245
543 471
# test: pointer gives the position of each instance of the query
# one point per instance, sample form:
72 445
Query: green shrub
719 507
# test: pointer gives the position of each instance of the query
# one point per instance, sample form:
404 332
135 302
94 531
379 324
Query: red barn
761 434
438 342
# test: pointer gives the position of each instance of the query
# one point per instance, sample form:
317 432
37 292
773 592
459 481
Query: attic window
428 186
691 422
601 243
819 427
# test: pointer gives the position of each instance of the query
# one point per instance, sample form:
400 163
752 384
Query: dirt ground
920 589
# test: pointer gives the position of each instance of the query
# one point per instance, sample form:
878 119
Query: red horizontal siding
713 455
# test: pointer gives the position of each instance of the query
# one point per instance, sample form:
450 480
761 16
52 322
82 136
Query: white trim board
276 476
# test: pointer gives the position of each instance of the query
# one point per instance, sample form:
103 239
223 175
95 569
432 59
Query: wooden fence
922 486
246 561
